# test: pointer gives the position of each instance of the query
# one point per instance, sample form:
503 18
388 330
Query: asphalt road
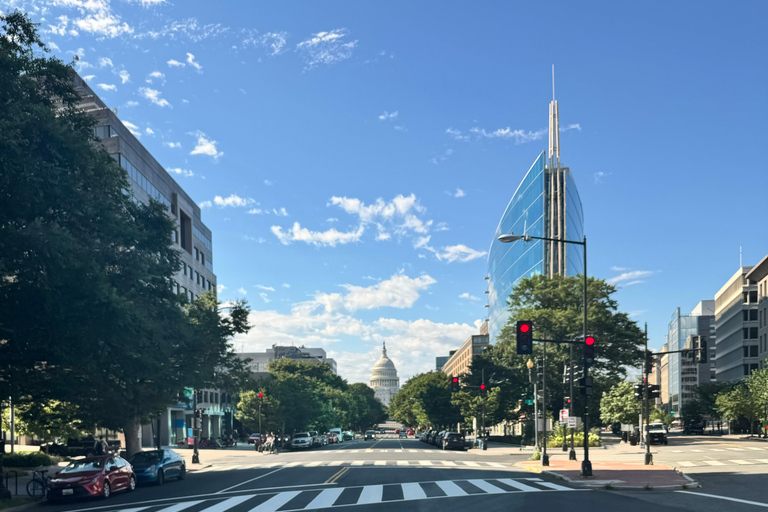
382 475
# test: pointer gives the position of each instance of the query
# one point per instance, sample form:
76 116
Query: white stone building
384 380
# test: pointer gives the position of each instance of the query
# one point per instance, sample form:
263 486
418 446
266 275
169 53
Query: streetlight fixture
586 465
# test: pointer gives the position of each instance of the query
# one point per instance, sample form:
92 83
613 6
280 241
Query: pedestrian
98 445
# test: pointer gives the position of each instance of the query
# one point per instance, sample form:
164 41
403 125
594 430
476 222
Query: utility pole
646 405
195 429
544 456
572 454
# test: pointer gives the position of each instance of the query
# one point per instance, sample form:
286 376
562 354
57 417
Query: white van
337 431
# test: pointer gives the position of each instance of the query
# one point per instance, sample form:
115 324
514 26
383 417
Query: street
382 475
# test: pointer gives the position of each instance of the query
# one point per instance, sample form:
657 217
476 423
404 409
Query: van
337 431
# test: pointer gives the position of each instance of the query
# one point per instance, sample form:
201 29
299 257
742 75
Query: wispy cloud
386 116
326 48
519 136
132 128
104 62
175 145
459 193
192 62
156 75
262 287
456 134
107 87
232 201
268 183
205 146
458 252
153 95
331 237
124 75
600 177
242 291
220 288
173 63
467 296
183 172
631 277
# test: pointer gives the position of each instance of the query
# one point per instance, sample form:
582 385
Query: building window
744 315
745 333
143 182
745 351
104 132
753 351
197 277
753 314
205 396
753 297
185 227
753 333
752 367
203 238
202 257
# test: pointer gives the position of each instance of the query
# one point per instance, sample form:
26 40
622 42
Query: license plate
66 492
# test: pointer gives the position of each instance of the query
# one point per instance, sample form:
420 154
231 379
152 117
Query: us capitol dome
384 380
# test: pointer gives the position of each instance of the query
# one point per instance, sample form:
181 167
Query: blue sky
353 158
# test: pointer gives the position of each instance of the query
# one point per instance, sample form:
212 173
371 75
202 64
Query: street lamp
529 365
586 465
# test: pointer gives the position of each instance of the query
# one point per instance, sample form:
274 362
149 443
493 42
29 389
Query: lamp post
586 465
529 365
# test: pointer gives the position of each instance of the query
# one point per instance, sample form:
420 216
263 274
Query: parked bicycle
38 486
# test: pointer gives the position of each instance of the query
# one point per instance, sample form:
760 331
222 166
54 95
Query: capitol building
384 380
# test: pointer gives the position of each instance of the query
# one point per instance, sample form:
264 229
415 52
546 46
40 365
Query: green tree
664 416
619 405
482 406
757 383
50 421
707 396
425 399
738 402
692 411
367 410
248 411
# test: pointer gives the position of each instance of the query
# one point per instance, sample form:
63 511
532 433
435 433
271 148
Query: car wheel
183 472
107 491
160 477
132 484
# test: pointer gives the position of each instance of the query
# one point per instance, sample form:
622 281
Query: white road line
228 503
425 462
335 463
676 451
762 461
276 501
448 463
313 464
177 507
711 449
714 463
518 485
737 500
380 463
736 449
699 451
471 464
754 449
371 494
136 509
495 464
450 488
742 462
249 481
357 462
413 491
399 451
487 487
413 451
686 463
293 464
325 499
403 463
554 486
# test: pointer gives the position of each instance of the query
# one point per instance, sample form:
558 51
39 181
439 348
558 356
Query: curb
692 485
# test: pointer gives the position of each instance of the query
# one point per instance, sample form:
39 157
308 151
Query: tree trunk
131 431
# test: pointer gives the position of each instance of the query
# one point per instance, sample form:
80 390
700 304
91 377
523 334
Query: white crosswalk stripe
371 494
181 506
314 464
471 464
413 491
326 498
742 462
686 463
714 463
450 488
487 487
226 504
276 501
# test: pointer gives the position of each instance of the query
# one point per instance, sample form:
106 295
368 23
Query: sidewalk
614 475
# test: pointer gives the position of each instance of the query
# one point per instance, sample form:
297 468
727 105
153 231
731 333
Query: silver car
301 440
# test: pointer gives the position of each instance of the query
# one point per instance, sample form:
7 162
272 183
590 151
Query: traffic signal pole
195 430
544 456
586 465
572 454
647 407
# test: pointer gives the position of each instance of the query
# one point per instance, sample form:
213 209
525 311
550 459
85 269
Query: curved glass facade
528 212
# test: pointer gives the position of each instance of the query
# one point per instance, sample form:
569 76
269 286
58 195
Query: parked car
332 438
694 429
348 436
438 439
302 440
315 438
338 433
254 439
158 465
402 434
453 441
92 476
410 432
322 439
369 434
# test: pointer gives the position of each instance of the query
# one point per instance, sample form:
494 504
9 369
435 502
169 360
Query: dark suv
453 441
694 429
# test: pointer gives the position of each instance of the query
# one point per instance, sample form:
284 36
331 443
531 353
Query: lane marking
228 503
425 462
371 494
178 507
742 462
495 464
714 463
335 463
276 501
313 464
332 478
249 481
450 488
471 464
358 462
762 461
554 486
448 463
413 491
380 463
737 500
326 498
686 463
518 485
403 463
487 487
292 464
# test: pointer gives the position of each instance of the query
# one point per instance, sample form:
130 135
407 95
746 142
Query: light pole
586 465
529 365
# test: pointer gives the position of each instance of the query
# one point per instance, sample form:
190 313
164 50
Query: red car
92 476
410 432
332 438
397 431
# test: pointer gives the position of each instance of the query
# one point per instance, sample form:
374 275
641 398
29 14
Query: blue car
158 465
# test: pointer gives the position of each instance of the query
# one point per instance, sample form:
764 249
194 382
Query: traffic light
701 350
454 384
639 388
648 362
261 398
524 337
482 388
567 402
589 351
654 391
586 385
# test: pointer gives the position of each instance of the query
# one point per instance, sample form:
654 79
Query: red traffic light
482 386
261 395
455 379
589 340
525 327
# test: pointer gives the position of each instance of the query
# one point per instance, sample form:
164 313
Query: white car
301 440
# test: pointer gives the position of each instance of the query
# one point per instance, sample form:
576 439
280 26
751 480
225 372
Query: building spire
554 128
384 348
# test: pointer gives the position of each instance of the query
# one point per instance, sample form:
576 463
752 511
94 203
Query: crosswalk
722 462
465 464
299 500
721 450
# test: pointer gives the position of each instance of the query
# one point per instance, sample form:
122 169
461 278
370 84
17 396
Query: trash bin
485 444
633 440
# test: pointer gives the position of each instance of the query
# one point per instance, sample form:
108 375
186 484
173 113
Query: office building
440 362
260 360
736 323
461 359
683 373
758 277
545 204
147 178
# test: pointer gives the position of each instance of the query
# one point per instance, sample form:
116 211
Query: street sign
573 421
529 402
563 414
540 424
188 392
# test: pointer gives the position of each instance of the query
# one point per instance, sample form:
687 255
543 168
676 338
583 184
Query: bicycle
38 486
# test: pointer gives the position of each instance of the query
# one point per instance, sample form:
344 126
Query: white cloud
401 212
107 87
280 213
459 193
205 204
618 269
156 75
153 95
104 61
266 288
423 243
519 136
132 103
188 28
183 172
574 126
173 63
386 116
89 77
459 252
264 297
268 183
103 24
147 3
242 291
633 275
206 146
383 236
326 48
466 295
256 211
330 237
442 226
191 61
149 131
233 200
399 291
286 285
274 41
132 128
600 176
124 76
175 145
456 134
220 288
53 46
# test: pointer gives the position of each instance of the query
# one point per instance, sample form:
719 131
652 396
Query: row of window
749 333
750 351
763 342
749 368
762 287
200 256
749 297
104 132
763 319
749 315
143 182
201 236
188 271
213 397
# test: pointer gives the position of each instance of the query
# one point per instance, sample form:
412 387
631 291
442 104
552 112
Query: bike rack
15 479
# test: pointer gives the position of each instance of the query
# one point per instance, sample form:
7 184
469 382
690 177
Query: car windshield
84 465
147 457
301 435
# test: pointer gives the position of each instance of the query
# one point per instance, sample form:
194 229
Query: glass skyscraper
545 204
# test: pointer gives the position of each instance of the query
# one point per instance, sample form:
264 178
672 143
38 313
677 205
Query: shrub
536 455
578 440
27 460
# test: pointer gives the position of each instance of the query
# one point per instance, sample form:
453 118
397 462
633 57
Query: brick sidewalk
616 475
